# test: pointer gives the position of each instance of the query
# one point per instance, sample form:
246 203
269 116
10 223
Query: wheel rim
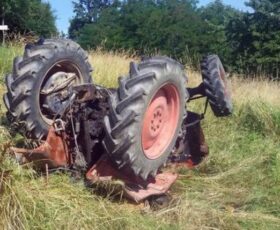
51 103
160 121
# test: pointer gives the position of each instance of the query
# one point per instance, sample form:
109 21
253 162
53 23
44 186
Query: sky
64 10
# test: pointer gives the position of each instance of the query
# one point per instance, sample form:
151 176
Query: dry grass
237 187
244 89
259 89
109 66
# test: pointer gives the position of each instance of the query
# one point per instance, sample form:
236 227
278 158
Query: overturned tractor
128 133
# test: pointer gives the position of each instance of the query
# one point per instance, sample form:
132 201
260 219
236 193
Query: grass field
237 187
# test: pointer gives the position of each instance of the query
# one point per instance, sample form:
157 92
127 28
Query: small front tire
216 86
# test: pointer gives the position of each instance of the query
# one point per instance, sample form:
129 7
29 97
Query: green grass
7 54
237 187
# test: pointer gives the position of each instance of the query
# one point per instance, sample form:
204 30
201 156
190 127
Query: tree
217 16
248 42
41 20
105 32
146 26
255 38
87 12
29 16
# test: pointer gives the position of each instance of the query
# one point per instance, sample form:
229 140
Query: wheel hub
56 92
157 119
160 121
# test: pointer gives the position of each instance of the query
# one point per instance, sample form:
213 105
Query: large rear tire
30 104
216 86
146 115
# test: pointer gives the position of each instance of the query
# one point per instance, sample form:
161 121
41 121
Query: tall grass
7 54
109 66
237 187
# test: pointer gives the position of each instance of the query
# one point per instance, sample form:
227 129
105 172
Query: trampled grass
237 187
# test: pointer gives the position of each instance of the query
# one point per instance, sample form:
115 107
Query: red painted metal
160 121
134 188
194 149
53 152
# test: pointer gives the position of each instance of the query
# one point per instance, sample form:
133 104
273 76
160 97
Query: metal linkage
85 124
199 90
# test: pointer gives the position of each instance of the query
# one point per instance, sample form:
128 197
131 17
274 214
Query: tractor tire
216 86
44 65
146 115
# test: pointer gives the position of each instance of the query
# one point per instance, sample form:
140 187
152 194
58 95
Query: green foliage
87 11
7 55
105 31
257 116
169 27
217 16
247 42
29 16
255 39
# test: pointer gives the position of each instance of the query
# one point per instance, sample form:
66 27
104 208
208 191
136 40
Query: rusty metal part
88 122
135 188
199 90
59 125
75 137
58 82
197 146
195 142
54 94
191 148
53 152
84 92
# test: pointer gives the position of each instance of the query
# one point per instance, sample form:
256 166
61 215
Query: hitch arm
199 90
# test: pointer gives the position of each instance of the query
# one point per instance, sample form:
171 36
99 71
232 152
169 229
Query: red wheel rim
160 121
